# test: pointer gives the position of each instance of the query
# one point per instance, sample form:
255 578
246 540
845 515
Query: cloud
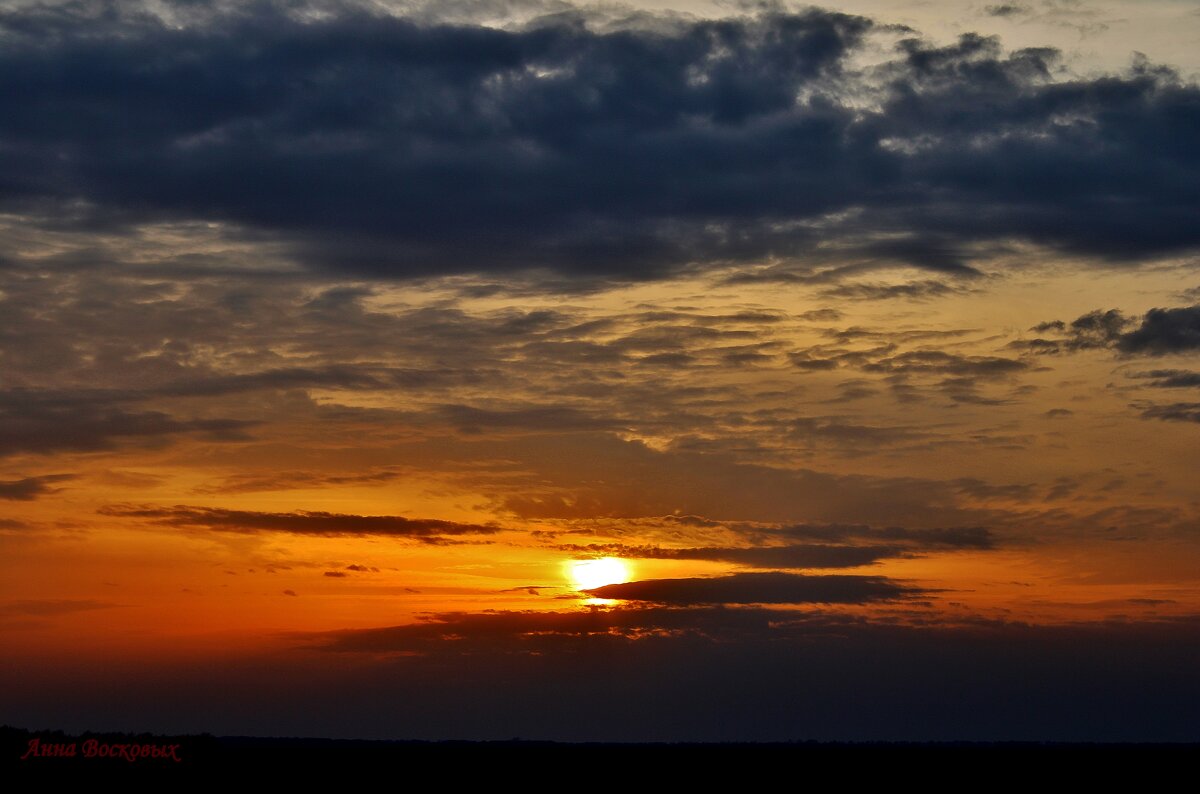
599 476
942 363
979 538
641 147
759 588
29 488
1160 332
715 674
43 422
1174 412
290 480
849 434
792 556
1164 331
1170 378
531 631
502 629
1096 329
805 360
426 530
1007 9
919 290
474 420
359 377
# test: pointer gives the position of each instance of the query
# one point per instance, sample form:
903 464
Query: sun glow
588 574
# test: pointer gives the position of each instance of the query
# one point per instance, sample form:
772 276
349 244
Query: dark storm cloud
299 522
796 556
28 488
375 144
759 588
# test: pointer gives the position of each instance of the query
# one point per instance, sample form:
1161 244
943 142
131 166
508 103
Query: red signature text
91 748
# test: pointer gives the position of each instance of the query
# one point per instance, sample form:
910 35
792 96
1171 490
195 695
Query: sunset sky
656 371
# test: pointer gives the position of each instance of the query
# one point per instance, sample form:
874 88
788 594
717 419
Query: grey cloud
821 315
759 588
1164 331
1170 378
548 418
806 360
300 522
589 476
1007 9
640 148
943 363
1037 347
28 488
919 290
43 422
1096 329
529 630
837 430
1159 332
1174 412
286 480
364 376
793 556
944 537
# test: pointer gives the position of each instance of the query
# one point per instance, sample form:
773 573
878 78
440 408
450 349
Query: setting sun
588 574
665 371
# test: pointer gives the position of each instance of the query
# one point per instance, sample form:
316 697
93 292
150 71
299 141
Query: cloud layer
371 143
758 588
299 522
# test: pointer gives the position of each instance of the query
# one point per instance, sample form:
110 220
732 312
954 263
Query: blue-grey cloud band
374 144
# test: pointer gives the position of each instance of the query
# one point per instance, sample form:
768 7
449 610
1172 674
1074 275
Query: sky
628 372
